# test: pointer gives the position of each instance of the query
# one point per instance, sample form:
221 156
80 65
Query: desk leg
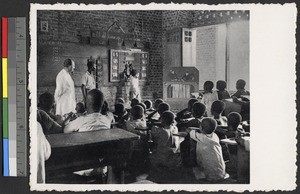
122 174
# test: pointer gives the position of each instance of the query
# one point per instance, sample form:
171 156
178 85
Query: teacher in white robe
65 89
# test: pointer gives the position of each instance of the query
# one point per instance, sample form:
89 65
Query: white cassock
64 93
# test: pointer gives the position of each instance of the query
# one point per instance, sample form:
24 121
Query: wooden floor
149 176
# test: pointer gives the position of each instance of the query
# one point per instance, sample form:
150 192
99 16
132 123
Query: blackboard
51 55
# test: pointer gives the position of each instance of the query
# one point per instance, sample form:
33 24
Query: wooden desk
83 150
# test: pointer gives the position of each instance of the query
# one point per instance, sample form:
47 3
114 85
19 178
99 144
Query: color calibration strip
5 96
14 96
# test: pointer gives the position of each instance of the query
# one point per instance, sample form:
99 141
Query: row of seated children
209 95
166 145
166 151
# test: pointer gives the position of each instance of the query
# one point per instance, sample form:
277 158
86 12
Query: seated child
209 96
105 111
211 165
136 120
121 115
234 128
47 104
187 112
235 131
240 86
140 152
154 115
217 109
166 146
245 107
148 104
198 111
134 102
162 108
222 92
144 106
80 109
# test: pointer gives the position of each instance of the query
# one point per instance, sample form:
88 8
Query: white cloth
64 93
88 80
207 100
89 122
134 88
209 155
43 153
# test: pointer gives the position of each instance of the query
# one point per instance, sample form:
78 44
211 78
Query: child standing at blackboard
134 85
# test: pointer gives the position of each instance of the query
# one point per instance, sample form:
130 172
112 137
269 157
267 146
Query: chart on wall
119 59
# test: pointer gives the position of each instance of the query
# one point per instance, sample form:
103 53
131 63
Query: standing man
65 89
88 80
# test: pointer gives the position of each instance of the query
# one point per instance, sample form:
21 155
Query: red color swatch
4 37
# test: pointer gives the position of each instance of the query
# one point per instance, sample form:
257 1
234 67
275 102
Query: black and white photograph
141 96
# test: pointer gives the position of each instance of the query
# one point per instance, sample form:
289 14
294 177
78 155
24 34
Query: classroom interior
175 52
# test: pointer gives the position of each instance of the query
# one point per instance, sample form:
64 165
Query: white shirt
89 122
64 93
209 155
43 153
88 80
134 84
207 100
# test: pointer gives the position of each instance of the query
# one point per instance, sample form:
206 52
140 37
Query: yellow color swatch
4 78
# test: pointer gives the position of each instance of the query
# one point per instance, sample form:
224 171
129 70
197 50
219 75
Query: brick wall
147 25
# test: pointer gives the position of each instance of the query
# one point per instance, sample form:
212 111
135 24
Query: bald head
69 65
209 125
94 101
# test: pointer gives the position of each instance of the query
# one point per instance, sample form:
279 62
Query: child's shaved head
157 103
80 107
209 125
198 109
163 107
167 118
191 102
148 104
143 105
217 107
119 109
234 119
240 84
221 85
208 85
137 112
134 102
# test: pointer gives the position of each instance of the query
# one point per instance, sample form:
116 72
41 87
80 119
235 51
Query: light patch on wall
44 26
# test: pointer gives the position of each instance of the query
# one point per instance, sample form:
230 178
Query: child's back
136 120
209 96
209 151
222 92
198 111
240 86
166 145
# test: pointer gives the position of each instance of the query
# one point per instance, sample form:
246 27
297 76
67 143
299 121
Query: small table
83 150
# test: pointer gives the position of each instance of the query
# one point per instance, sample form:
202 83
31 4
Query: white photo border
273 98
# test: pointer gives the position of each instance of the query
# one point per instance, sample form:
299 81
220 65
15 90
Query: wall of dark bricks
148 26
